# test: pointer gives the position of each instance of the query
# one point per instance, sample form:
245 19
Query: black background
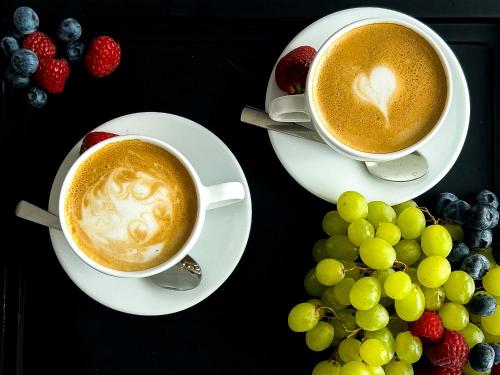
203 60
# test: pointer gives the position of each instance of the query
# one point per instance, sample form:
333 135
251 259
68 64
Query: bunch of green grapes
378 270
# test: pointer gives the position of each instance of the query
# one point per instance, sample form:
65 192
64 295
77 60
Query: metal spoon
407 168
185 275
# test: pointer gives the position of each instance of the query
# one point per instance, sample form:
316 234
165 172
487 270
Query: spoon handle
37 215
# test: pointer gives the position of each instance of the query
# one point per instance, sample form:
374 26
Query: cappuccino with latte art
131 205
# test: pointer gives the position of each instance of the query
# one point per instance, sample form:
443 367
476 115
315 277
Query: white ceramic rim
170 262
426 33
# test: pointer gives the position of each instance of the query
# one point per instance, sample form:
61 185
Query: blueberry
458 252
456 212
14 79
74 51
481 357
476 265
479 238
487 197
482 304
482 216
69 30
24 61
9 45
36 97
496 348
26 20
443 200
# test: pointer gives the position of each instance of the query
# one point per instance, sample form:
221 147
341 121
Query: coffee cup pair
307 108
206 198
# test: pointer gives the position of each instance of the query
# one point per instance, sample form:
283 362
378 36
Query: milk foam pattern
376 89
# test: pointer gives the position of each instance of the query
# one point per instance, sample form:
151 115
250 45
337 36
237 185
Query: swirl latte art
131 205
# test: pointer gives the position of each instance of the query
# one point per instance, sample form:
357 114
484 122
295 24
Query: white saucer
221 243
326 173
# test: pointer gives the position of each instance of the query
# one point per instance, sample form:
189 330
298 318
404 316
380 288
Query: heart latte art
131 205
379 88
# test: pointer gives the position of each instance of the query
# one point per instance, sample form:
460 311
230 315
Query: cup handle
290 108
224 194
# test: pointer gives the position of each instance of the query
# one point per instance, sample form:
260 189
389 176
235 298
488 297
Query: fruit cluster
394 286
32 53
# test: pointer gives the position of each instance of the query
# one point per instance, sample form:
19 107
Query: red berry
52 75
103 56
495 370
94 138
291 70
451 352
436 370
41 45
428 327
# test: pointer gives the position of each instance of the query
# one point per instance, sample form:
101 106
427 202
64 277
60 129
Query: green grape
326 368
454 316
365 293
340 247
334 224
349 350
328 299
470 371
341 291
380 212
351 270
401 207
319 250
491 281
320 337
412 307
491 324
436 240
317 303
375 370
352 206
377 253
432 272
434 298
381 276
374 352
396 325
459 287
385 336
389 232
473 318
488 253
374 319
311 284
303 317
348 320
411 222
330 272
408 347
360 230
456 232
354 368
412 272
472 334
489 338
398 368
398 285
408 251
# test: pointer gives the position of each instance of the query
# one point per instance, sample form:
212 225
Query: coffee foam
131 205
379 88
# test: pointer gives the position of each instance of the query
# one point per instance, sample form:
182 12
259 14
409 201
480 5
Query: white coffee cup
301 109
209 197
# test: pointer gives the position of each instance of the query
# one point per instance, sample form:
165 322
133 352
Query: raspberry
52 75
428 327
41 44
436 370
103 56
495 370
452 352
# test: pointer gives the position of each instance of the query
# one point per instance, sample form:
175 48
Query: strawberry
52 75
94 138
103 56
436 370
41 44
428 327
291 70
452 352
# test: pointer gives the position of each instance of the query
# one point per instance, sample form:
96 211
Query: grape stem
353 333
432 219
401 265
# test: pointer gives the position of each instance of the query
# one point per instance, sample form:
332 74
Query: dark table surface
203 60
